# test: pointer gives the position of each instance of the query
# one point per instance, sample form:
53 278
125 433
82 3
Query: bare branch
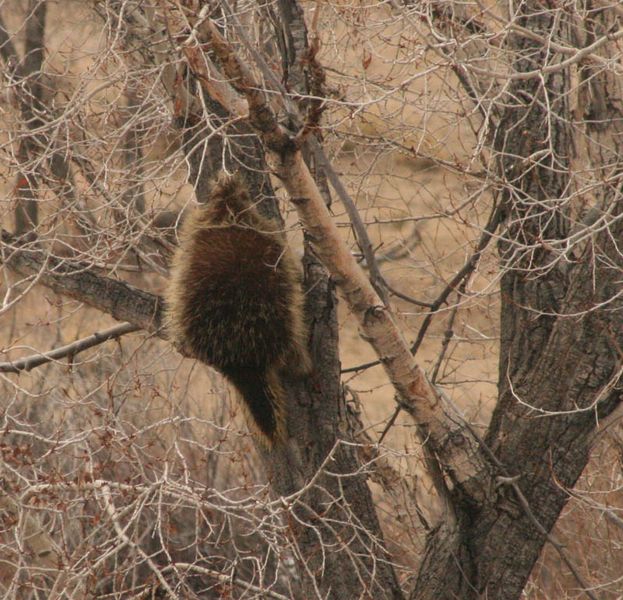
116 298
418 398
30 362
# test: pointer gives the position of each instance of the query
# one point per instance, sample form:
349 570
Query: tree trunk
561 334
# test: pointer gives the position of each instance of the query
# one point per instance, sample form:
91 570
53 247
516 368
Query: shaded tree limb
7 47
80 282
338 507
28 90
312 426
313 155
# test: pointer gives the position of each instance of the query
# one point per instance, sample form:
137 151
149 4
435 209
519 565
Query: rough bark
437 423
358 560
560 361
27 77
70 278
315 411
315 423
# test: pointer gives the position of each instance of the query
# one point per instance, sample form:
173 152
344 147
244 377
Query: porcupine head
235 301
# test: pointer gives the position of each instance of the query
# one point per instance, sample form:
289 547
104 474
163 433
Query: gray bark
560 367
358 560
27 78
560 360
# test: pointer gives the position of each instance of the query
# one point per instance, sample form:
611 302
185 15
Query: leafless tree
438 164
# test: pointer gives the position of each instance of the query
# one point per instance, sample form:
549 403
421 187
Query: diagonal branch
76 280
377 322
8 52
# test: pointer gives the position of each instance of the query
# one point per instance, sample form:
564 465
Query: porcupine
235 301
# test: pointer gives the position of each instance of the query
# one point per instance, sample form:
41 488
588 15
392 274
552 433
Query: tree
120 480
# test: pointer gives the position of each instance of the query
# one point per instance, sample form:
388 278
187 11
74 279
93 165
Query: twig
112 513
376 278
465 271
406 297
225 579
506 479
30 362
362 367
447 336
7 48
462 275
390 424
359 228
552 540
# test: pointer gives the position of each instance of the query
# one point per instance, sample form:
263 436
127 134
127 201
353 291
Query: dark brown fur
235 301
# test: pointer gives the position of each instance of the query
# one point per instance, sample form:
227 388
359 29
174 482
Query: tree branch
77 280
30 362
377 323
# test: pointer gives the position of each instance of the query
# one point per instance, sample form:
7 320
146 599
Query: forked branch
436 422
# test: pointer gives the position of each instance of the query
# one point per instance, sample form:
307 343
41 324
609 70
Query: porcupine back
235 301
